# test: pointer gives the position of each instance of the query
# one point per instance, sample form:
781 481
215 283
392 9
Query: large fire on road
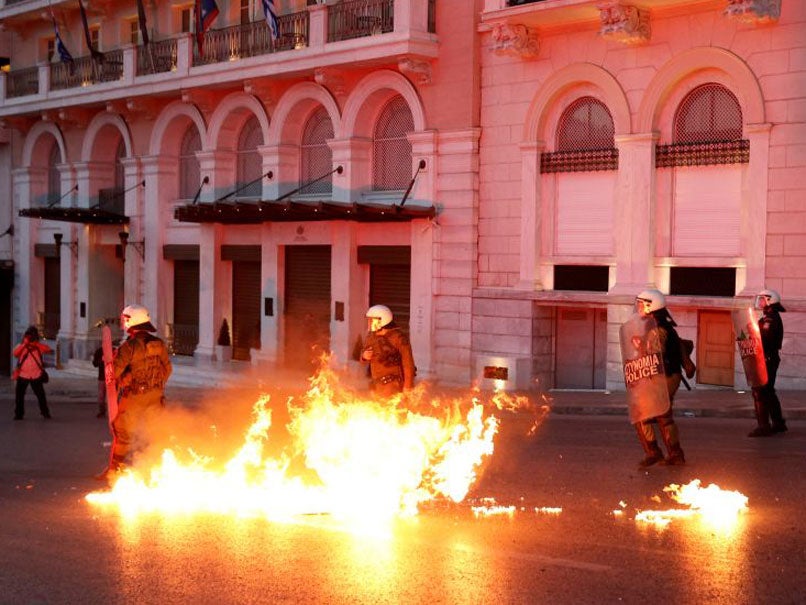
347 456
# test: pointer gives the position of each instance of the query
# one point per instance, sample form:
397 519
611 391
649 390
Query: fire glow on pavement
360 459
717 507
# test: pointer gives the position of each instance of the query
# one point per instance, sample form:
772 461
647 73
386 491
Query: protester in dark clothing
388 352
30 370
652 302
765 399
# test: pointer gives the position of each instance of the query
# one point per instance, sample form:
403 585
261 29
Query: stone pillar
531 217
635 217
753 226
354 155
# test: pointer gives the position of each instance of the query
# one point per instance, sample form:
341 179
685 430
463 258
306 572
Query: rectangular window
246 15
50 49
95 37
186 20
134 31
702 281
591 278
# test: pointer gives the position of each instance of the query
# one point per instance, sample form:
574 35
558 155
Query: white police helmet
136 316
766 298
382 313
650 301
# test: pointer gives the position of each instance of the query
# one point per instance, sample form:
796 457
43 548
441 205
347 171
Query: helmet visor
643 305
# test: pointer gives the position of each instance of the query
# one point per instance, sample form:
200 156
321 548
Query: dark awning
246 213
94 216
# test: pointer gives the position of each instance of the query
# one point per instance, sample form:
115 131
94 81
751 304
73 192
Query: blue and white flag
64 54
271 18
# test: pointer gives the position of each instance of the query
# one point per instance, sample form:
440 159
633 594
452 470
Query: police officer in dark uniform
652 302
765 399
388 351
141 369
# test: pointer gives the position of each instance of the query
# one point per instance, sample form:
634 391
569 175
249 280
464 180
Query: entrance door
245 308
53 296
306 325
186 306
581 349
715 348
390 285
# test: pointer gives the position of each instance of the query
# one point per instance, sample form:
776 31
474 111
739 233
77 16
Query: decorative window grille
189 170
584 139
250 164
316 158
391 150
707 130
54 178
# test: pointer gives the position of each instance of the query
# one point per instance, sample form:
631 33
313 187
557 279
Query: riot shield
642 362
748 341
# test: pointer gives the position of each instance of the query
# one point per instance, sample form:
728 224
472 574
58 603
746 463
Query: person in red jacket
30 371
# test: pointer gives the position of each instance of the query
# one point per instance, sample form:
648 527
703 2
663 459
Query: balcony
323 36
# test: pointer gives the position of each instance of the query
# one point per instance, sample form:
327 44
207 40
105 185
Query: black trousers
19 396
767 404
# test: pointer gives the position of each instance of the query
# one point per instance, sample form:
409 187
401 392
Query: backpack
686 349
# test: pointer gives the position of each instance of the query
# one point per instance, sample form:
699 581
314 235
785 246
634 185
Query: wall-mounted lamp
139 246
57 237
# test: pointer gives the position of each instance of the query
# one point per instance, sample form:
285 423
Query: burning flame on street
717 507
349 457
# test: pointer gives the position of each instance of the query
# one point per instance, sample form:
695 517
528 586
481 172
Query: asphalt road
57 548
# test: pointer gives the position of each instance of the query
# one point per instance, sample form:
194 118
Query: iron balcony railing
358 18
83 71
253 39
157 57
22 82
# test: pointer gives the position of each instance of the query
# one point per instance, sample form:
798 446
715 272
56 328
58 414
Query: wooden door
581 348
715 348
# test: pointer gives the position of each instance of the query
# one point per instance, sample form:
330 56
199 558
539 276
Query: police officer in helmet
388 352
769 417
652 302
141 368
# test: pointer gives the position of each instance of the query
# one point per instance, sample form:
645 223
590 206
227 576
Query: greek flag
271 18
206 13
64 54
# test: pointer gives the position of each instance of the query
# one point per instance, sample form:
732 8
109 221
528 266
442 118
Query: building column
73 260
531 217
753 227
635 220
270 346
26 181
346 291
354 156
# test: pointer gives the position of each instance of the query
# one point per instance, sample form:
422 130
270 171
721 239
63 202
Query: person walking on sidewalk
765 399
30 370
652 302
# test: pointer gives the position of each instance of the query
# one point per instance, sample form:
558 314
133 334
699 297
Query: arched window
391 150
120 172
54 177
250 164
709 113
189 170
316 158
585 124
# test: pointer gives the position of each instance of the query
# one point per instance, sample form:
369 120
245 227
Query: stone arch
694 67
170 126
230 116
95 136
33 151
595 80
294 108
369 96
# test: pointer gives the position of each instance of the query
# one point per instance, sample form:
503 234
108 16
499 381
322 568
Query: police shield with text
652 358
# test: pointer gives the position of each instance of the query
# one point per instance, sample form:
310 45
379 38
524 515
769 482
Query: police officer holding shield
769 417
653 303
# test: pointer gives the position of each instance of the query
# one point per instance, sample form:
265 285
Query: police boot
114 468
762 418
646 435
671 439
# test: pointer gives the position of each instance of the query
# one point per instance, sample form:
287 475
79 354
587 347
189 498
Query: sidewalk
78 382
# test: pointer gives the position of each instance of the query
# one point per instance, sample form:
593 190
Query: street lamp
57 237
139 246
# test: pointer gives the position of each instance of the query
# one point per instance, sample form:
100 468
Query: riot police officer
765 399
141 368
652 302
388 352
